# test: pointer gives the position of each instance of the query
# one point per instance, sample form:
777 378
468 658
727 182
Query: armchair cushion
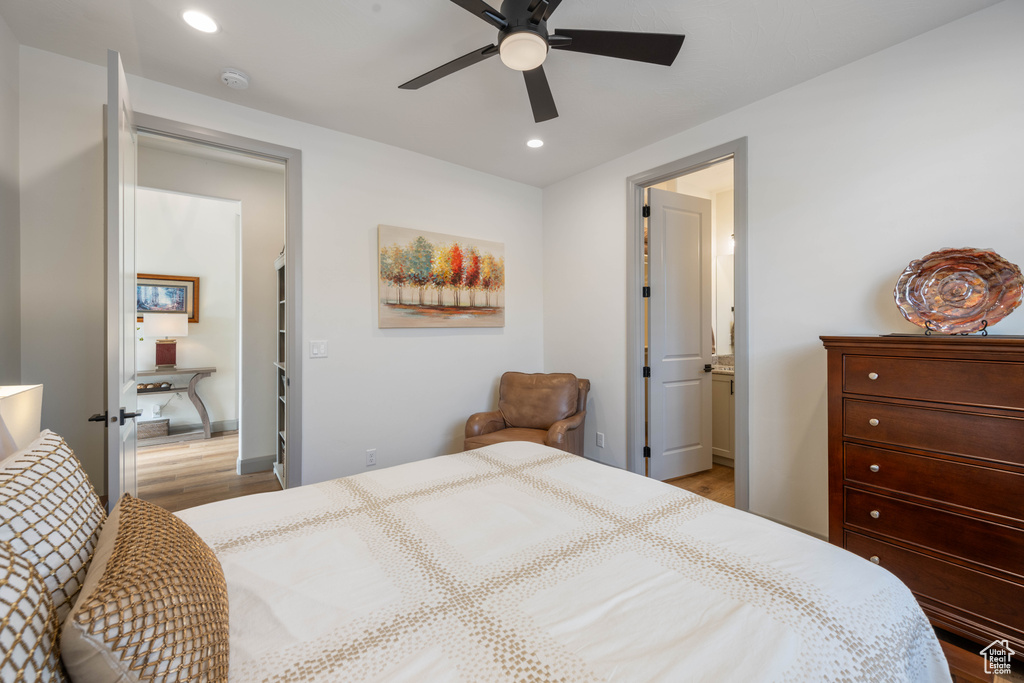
501 436
537 401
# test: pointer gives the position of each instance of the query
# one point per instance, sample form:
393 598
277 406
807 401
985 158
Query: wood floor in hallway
717 484
181 475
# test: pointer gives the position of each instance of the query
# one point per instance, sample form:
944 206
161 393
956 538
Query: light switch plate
318 349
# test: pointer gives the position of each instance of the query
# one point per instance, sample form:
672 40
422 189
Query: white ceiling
338 64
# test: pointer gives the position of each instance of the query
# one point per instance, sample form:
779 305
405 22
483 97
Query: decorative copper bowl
959 291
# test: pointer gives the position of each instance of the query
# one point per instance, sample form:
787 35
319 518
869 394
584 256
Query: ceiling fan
523 43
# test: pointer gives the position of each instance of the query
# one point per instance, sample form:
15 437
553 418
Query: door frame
292 160
635 186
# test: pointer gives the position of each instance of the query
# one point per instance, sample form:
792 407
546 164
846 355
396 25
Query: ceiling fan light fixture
523 50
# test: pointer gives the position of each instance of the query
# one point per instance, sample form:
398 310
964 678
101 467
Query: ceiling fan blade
451 67
653 48
552 6
540 95
481 9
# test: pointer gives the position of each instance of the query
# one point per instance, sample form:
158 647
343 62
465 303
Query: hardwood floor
716 484
181 475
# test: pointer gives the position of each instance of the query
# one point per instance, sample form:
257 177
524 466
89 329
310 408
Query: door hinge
647 292
647 451
647 211
647 371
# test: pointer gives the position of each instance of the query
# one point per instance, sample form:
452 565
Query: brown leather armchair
542 408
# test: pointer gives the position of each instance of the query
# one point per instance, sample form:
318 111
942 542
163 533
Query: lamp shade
20 411
165 324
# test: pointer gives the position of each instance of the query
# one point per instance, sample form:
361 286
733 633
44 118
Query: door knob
102 417
126 416
707 367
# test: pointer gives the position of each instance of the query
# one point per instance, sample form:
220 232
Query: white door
122 398
679 233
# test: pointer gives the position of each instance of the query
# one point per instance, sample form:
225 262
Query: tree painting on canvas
427 279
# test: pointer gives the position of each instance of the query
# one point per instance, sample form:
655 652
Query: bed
518 562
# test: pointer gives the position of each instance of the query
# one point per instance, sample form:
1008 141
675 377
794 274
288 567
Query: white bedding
521 562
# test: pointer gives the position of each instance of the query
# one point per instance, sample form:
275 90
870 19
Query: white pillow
28 623
51 515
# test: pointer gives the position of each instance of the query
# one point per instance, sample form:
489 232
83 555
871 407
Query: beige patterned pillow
154 605
51 515
28 623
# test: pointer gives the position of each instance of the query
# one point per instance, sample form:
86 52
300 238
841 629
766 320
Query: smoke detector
233 78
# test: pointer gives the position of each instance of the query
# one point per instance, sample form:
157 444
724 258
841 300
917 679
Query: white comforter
522 563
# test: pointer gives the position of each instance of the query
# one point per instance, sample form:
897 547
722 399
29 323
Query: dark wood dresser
926 472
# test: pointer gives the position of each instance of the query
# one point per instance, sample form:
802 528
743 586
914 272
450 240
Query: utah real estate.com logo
997 657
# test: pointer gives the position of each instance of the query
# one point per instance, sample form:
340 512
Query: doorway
240 336
677 373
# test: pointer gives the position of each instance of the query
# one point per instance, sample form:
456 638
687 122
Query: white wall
180 234
405 392
10 231
724 287
852 175
261 194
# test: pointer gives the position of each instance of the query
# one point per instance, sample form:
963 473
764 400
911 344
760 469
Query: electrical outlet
600 439
371 457
318 349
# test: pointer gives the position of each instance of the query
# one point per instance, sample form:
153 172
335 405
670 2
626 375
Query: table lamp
20 411
165 325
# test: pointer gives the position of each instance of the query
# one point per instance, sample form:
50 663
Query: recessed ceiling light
535 143
200 21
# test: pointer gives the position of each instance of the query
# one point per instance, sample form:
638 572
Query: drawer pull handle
874 559
875 514
872 375
874 468
873 422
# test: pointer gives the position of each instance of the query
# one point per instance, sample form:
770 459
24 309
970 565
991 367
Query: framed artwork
167 294
429 279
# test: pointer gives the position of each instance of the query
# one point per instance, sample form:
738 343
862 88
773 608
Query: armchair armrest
558 432
479 424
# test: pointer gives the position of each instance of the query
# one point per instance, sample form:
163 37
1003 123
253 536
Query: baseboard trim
723 461
263 463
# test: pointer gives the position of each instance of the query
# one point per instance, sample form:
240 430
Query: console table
197 375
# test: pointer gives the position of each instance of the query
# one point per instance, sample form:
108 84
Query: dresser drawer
971 486
977 596
989 437
974 540
979 383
